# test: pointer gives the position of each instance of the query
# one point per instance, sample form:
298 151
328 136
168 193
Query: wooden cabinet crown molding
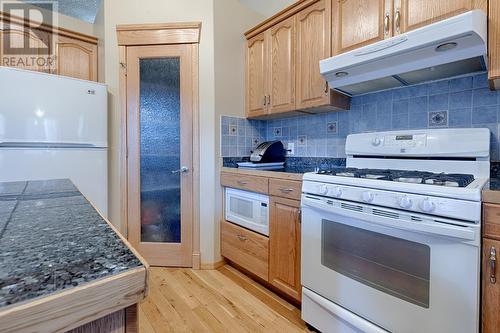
156 34
4 17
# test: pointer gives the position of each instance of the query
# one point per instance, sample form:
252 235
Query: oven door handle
436 229
360 323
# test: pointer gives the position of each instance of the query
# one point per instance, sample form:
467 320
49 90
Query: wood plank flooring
223 300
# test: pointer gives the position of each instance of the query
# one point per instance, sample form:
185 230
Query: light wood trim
4 17
122 54
155 34
213 265
491 221
490 300
75 307
494 43
278 17
491 196
196 158
245 248
263 173
290 189
249 183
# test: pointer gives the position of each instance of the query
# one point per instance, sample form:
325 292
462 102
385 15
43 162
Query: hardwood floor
223 300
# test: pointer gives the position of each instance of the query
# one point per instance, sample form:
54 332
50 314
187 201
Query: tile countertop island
63 266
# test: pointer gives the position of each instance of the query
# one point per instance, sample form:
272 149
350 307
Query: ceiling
267 8
85 10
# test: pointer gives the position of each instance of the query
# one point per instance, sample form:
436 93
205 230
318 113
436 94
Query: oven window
241 207
392 265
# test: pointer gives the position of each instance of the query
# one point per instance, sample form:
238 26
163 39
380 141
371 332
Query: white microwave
248 209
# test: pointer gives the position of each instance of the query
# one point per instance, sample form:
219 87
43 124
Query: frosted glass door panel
160 150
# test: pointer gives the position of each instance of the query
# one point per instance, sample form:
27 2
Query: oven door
402 271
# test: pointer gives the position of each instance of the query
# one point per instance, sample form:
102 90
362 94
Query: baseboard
213 265
196 260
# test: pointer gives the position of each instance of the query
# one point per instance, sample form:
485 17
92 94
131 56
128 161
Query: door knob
183 169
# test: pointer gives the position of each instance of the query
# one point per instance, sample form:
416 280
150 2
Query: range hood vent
451 47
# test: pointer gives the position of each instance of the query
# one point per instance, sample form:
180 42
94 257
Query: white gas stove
391 243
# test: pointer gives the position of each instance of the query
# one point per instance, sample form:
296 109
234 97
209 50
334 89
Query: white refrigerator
54 127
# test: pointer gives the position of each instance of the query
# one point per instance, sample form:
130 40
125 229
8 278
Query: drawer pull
493 264
241 182
286 190
242 238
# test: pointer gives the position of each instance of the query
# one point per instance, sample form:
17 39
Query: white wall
232 19
164 11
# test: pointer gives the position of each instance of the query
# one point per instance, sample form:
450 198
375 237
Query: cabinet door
256 76
413 14
77 59
491 289
281 79
358 23
313 45
25 48
284 246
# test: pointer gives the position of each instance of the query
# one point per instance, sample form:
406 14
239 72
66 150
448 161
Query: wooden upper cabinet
413 14
313 45
284 246
357 23
256 76
76 59
281 69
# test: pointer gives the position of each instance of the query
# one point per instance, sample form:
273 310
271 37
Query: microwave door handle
423 227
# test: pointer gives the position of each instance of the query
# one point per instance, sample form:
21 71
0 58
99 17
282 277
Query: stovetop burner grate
404 176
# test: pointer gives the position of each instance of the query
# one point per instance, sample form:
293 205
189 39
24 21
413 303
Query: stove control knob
405 202
376 142
368 196
322 190
427 205
337 192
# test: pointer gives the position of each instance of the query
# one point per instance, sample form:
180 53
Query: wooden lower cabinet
284 246
490 286
246 248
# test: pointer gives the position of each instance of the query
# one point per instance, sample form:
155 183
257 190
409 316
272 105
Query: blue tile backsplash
464 101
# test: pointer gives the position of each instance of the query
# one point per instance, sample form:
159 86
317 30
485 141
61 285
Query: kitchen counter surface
491 193
52 240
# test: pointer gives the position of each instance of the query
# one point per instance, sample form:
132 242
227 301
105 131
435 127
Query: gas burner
404 176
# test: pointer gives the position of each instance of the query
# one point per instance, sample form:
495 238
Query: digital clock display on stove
404 137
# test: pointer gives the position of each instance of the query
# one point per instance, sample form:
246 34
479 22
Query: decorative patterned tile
301 140
438 119
331 127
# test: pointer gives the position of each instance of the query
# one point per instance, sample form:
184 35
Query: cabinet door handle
268 99
387 23
326 87
241 238
286 190
241 182
493 264
265 100
397 20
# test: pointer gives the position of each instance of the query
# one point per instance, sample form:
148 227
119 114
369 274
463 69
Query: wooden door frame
160 34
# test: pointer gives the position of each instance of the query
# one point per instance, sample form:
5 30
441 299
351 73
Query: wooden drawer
244 182
290 189
246 248
491 221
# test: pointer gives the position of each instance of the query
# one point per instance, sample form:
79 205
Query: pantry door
160 152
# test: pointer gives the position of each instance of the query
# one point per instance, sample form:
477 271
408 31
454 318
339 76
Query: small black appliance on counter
269 152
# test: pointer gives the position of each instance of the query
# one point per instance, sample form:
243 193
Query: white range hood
451 47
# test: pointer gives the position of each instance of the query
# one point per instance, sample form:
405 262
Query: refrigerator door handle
11 144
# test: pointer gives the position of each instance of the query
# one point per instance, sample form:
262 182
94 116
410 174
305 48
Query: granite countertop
52 239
